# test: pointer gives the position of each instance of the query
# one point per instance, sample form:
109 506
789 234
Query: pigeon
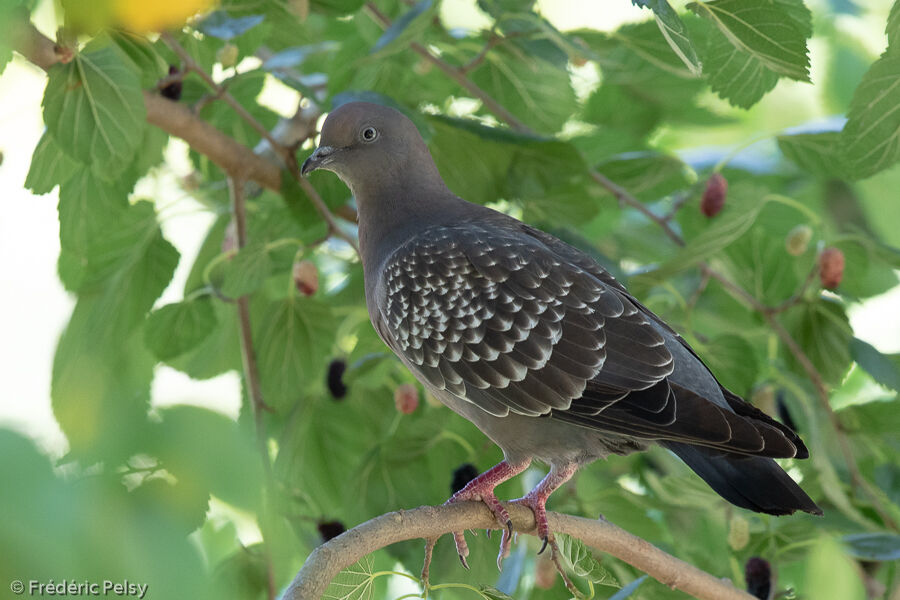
530 339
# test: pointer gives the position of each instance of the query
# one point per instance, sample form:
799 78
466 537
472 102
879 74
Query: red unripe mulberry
714 195
831 267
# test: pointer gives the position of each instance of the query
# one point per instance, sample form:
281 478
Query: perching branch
327 560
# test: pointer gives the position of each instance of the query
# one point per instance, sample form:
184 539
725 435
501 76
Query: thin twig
251 369
798 296
624 197
456 74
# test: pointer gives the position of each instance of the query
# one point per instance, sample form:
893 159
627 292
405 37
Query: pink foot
481 489
536 500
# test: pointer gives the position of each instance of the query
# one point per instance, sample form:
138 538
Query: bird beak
319 158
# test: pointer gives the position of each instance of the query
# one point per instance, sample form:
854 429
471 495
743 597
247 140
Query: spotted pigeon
532 340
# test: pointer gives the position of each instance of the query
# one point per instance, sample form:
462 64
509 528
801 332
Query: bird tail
751 482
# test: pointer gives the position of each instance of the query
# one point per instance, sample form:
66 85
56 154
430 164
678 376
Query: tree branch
327 560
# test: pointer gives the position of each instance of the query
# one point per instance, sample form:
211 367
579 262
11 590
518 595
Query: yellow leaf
143 17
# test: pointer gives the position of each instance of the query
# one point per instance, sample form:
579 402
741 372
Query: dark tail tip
751 482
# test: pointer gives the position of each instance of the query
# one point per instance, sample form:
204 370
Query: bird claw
546 539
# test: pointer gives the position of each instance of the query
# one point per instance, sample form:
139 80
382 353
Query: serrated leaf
353 583
245 272
94 106
293 345
173 329
822 330
578 558
816 153
871 138
770 32
885 369
220 25
893 26
673 29
491 593
50 166
735 75
144 56
537 92
406 28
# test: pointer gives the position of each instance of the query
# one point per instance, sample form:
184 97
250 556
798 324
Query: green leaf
293 345
335 7
50 166
220 25
498 8
356 582
94 106
733 361
831 574
770 32
743 207
406 28
885 369
219 352
144 56
245 272
648 176
871 138
674 31
491 593
537 92
893 26
823 332
176 328
578 558
816 153
880 546
735 75
229 468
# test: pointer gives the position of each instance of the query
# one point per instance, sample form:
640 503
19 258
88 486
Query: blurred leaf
831 574
823 332
734 362
893 25
870 140
537 92
865 274
738 216
578 558
220 25
873 546
229 468
885 369
498 8
293 345
50 166
94 106
245 272
175 328
406 28
817 153
772 33
674 31
218 353
735 75
335 7
646 176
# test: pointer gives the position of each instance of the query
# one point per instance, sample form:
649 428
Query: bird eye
369 134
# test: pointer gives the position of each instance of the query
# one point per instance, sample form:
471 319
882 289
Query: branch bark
327 560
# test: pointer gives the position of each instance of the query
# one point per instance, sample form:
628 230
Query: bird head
365 144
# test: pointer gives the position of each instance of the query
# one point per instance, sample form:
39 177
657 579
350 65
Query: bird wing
514 320
498 319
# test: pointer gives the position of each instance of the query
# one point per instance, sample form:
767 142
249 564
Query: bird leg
482 489
536 500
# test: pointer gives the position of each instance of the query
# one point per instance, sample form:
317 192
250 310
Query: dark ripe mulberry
461 476
758 574
173 90
714 195
330 529
335 379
